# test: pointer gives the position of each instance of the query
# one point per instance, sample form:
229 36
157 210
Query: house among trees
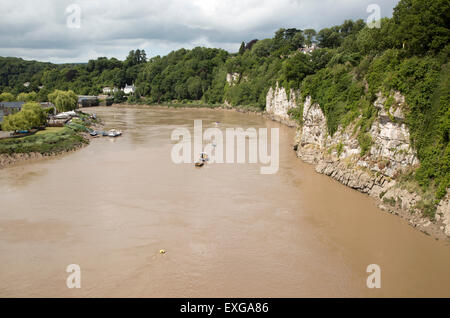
7 108
109 90
308 49
129 89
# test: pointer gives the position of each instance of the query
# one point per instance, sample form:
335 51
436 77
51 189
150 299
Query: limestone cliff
339 156
233 78
278 104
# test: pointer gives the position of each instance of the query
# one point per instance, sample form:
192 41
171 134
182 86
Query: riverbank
51 142
382 166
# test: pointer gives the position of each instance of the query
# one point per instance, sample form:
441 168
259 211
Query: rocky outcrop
233 78
443 213
278 104
391 137
339 156
313 132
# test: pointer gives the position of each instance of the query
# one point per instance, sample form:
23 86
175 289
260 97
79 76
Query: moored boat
114 133
199 163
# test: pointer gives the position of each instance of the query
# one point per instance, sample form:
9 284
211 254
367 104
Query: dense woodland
408 53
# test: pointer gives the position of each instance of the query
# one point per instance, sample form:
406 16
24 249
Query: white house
308 49
109 90
129 89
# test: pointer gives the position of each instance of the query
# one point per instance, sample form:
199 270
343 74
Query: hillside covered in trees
353 62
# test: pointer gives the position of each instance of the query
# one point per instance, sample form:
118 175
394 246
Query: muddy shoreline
7 160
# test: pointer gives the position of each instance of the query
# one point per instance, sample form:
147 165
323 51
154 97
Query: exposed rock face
278 103
391 137
313 132
443 211
233 78
390 154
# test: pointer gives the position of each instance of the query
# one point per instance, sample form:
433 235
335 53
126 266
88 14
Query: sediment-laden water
228 231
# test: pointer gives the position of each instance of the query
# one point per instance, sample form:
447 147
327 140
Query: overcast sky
46 30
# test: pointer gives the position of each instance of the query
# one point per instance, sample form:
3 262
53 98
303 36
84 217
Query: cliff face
278 103
233 78
374 173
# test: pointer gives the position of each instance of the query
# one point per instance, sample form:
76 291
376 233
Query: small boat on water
199 163
114 133
202 160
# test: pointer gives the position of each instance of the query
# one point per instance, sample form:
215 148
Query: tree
31 116
278 39
296 68
329 38
6 97
262 48
376 40
63 100
135 57
27 97
119 97
242 48
194 86
422 25
298 40
310 35
250 44
71 74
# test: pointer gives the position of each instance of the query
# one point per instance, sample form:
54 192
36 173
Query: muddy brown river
228 231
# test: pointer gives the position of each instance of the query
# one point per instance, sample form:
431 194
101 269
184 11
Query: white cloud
37 29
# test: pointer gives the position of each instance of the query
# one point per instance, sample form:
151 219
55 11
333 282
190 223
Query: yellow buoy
162 252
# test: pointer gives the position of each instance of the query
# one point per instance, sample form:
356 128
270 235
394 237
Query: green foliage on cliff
425 83
409 53
337 93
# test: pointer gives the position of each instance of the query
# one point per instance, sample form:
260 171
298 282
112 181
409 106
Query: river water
228 231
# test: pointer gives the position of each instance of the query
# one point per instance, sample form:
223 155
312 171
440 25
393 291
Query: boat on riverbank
114 133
